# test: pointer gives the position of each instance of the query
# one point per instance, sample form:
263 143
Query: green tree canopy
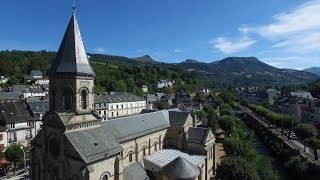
314 143
236 168
227 123
14 154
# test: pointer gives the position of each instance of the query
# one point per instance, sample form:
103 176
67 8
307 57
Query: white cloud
177 50
308 42
303 18
227 46
295 31
100 50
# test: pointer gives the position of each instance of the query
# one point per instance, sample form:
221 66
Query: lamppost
25 165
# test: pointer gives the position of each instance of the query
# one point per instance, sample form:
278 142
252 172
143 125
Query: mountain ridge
314 70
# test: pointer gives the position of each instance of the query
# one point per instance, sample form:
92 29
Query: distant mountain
145 59
314 70
236 71
248 71
233 71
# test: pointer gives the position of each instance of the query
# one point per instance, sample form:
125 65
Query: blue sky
284 33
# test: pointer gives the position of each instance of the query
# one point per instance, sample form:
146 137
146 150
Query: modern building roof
93 144
116 97
134 171
180 168
14 112
127 128
163 157
72 57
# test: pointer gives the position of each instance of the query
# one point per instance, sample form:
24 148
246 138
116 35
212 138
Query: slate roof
36 73
14 112
94 144
303 94
127 128
116 97
151 97
36 90
198 134
72 57
39 106
180 168
20 88
178 118
134 171
163 157
10 95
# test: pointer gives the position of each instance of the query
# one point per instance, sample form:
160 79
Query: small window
144 151
83 99
130 156
155 146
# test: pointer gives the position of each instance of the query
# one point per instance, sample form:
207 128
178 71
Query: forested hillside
113 73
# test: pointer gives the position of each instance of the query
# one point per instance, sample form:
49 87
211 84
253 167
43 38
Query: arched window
105 177
130 157
67 98
54 146
83 99
155 146
144 150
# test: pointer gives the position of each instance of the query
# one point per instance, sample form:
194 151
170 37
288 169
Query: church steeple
71 75
72 57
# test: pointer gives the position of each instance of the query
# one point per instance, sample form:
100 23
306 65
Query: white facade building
113 105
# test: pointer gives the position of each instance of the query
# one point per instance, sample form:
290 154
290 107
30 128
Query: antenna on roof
74 7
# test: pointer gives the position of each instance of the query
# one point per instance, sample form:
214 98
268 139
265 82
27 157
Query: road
293 143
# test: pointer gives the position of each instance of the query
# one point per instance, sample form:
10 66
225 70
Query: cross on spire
74 7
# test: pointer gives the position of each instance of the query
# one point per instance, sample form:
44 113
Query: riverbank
282 151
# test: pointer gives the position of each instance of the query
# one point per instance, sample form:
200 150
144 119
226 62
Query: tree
213 120
314 143
200 97
201 114
234 147
305 131
227 123
289 123
236 168
14 154
163 105
297 167
225 112
224 106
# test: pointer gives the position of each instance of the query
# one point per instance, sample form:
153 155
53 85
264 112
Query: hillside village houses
76 143
36 77
164 83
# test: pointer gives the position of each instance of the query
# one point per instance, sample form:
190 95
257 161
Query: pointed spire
72 57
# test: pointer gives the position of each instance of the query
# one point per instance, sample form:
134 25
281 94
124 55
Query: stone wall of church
102 168
152 142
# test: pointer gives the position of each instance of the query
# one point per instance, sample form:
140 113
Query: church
75 143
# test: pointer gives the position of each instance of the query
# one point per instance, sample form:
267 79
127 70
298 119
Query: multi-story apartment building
17 124
114 104
311 113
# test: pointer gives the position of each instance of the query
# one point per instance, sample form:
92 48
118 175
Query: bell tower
71 75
